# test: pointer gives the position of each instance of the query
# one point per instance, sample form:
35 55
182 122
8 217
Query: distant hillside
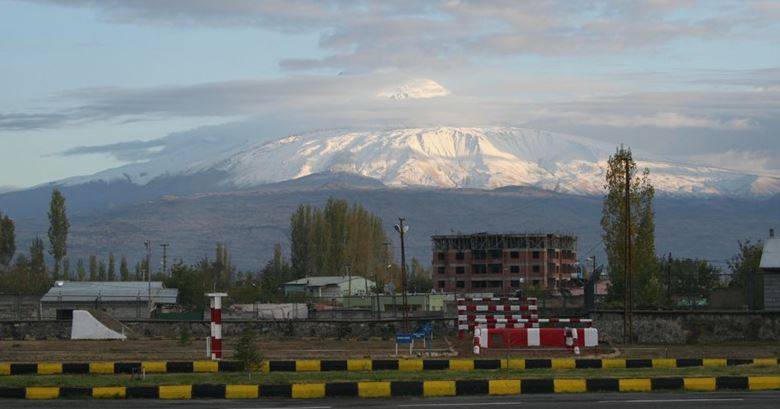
250 223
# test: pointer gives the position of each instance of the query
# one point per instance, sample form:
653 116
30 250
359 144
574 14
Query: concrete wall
690 327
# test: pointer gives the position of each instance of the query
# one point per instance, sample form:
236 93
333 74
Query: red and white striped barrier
471 309
216 325
501 307
531 337
529 300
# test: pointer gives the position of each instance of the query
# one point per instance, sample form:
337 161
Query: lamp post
401 228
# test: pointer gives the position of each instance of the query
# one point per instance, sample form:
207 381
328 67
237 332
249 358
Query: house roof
110 291
770 257
321 281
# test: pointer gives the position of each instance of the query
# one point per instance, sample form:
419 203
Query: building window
460 269
514 269
514 283
495 253
495 268
478 268
514 254
535 255
459 255
441 284
440 270
460 284
536 283
479 284
441 256
535 269
478 254
496 284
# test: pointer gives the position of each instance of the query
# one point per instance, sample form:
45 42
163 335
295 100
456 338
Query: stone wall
690 327
19 307
650 327
52 329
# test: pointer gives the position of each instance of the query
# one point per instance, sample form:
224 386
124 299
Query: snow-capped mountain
441 157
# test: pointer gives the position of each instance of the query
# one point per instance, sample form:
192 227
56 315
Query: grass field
317 377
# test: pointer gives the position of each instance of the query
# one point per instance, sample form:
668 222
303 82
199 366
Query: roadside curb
400 388
323 365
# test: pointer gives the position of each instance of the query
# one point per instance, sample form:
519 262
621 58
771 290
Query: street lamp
401 228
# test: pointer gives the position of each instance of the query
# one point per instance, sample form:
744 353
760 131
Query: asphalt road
753 400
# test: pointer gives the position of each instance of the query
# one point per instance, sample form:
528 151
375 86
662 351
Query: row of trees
28 273
327 241
656 281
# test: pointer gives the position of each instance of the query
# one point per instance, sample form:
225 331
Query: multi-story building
501 263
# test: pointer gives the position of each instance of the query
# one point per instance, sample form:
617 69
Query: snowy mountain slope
441 157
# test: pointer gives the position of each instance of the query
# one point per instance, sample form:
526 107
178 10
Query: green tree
692 280
247 351
124 272
58 229
138 270
7 240
324 241
646 288
275 273
744 268
66 269
102 274
81 272
111 267
420 280
39 278
93 268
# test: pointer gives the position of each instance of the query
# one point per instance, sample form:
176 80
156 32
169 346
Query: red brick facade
501 263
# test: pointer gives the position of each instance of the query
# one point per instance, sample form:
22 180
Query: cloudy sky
91 84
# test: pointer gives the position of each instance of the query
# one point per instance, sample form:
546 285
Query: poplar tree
66 269
81 273
7 240
102 271
58 229
111 267
39 278
645 281
93 268
325 241
124 272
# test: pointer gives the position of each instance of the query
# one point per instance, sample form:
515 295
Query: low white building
120 299
329 286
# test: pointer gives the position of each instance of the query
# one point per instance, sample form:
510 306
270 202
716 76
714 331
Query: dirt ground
172 350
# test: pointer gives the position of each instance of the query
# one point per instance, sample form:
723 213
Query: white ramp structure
85 326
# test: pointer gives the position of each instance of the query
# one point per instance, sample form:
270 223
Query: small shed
120 299
770 269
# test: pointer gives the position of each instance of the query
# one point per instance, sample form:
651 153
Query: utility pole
164 258
402 229
148 246
627 301
349 285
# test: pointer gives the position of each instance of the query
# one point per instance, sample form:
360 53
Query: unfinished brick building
501 263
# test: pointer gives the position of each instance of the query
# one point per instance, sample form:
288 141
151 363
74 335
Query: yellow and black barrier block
317 365
388 389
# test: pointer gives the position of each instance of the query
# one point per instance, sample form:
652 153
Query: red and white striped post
216 325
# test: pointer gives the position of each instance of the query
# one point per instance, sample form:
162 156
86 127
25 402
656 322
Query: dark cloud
361 36
125 151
